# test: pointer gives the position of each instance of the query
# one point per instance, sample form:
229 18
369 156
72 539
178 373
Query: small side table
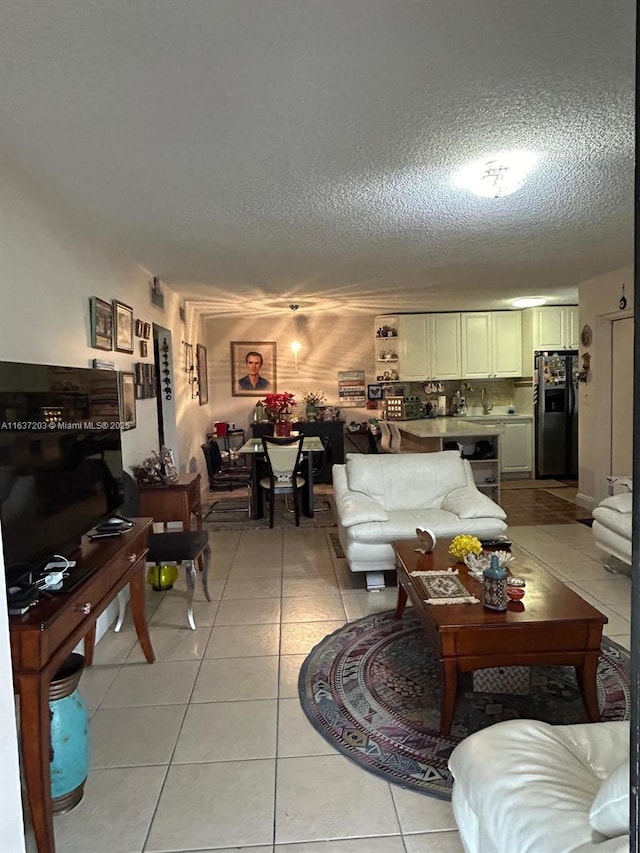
176 501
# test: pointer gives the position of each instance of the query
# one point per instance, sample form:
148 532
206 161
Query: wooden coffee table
551 625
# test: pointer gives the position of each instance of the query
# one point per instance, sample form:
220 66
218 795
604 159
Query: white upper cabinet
506 343
491 344
443 342
555 327
429 346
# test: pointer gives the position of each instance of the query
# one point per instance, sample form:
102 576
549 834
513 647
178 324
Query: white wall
598 305
330 343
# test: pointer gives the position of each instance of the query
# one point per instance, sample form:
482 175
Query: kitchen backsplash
500 392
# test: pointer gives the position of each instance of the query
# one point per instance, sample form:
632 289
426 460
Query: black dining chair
283 460
220 477
183 547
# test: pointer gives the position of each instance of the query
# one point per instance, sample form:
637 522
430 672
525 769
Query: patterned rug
372 690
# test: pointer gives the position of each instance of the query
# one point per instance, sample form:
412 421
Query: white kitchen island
429 435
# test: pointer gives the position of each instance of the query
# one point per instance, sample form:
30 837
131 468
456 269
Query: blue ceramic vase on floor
70 736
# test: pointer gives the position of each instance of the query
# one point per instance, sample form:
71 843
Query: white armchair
381 498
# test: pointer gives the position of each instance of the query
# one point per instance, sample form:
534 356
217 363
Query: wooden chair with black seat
183 547
232 477
283 460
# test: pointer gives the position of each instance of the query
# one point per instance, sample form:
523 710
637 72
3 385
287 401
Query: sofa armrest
620 503
358 508
469 502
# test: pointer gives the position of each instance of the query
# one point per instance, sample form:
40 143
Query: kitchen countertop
449 427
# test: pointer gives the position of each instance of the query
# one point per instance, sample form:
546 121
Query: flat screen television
60 459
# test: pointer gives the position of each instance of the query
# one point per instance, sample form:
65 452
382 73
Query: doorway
621 397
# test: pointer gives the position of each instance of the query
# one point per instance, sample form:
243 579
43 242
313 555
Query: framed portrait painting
101 314
122 326
253 368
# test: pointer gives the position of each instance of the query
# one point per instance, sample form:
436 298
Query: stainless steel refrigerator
556 414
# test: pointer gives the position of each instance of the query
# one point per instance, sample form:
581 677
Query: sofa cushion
620 503
609 814
618 522
524 785
406 480
402 524
468 502
358 508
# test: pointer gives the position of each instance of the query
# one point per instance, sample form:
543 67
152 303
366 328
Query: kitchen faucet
487 407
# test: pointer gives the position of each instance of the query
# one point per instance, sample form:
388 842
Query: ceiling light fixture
528 301
497 175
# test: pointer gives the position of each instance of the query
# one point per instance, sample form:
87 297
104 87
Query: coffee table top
546 598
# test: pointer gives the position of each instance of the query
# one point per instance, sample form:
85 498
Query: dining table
259 468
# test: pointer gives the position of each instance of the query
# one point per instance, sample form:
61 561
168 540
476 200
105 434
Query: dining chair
283 459
385 437
396 437
183 547
232 477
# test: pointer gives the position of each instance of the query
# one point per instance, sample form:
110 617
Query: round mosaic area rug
372 690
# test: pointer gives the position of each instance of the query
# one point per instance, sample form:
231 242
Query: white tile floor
208 749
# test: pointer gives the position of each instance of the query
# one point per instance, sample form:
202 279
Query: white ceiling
253 153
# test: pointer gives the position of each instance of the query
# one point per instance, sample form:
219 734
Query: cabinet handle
84 608
133 558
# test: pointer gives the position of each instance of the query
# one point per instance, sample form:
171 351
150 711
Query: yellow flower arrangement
463 545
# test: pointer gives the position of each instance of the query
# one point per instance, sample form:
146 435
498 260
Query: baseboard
585 500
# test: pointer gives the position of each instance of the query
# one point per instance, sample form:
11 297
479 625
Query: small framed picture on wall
101 321
123 326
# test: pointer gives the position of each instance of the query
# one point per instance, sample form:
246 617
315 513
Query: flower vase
282 429
311 413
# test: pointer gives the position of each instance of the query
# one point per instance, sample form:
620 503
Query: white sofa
529 787
612 526
384 497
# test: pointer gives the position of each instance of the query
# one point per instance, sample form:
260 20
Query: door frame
603 391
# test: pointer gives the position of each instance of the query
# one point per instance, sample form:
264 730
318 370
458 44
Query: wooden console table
176 501
43 637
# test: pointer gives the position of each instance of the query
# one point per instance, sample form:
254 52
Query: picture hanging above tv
60 459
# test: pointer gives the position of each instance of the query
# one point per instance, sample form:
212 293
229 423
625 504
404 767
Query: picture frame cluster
112 327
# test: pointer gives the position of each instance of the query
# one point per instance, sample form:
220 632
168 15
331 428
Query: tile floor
208 749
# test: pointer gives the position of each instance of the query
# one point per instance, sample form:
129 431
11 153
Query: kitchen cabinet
491 344
429 346
517 447
555 327
516 442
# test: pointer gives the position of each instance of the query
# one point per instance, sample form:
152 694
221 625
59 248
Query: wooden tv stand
44 636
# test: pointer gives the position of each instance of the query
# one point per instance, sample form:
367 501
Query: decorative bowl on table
515 588
477 563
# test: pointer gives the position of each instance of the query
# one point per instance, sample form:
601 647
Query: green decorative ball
162 577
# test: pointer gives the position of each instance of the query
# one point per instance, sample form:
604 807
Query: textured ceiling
251 153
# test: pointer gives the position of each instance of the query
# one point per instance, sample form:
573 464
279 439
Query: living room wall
330 343
52 263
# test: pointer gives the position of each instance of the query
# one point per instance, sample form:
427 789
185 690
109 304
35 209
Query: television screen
60 458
